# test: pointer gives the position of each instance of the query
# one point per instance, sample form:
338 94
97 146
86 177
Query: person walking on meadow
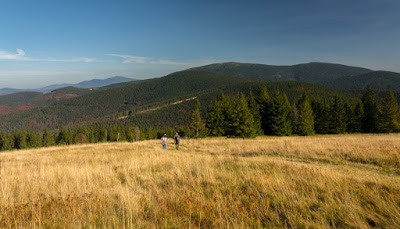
164 141
177 139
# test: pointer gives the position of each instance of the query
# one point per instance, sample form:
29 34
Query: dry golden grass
297 182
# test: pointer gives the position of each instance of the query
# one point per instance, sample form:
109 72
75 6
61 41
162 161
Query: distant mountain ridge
94 83
314 72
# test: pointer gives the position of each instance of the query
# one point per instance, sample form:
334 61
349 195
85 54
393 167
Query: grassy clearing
299 182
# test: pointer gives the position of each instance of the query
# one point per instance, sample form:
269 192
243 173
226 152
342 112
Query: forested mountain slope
110 104
28 100
377 80
335 75
311 72
115 100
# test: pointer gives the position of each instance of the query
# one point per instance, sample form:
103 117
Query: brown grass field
343 181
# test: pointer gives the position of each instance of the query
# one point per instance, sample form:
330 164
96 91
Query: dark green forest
242 115
106 105
335 75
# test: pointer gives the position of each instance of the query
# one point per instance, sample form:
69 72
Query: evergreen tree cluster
262 114
117 132
251 116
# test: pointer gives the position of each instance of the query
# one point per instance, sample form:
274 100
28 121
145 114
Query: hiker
177 139
164 141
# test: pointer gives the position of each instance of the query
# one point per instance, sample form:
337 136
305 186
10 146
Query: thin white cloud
20 55
74 60
127 59
132 59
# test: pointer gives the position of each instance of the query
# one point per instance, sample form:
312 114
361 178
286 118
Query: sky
56 41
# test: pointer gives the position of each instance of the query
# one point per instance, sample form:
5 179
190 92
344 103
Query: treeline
240 116
118 132
274 115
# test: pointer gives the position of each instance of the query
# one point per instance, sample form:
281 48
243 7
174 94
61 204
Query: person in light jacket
164 141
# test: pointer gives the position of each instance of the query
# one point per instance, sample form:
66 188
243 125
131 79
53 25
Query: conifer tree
34 140
6 142
318 110
358 115
349 117
20 139
264 102
370 119
65 136
390 114
242 123
281 115
47 139
101 133
305 117
337 115
218 116
216 122
129 134
254 108
353 117
196 123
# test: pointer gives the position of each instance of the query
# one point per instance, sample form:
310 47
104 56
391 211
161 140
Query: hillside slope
311 72
17 101
377 80
342 181
112 103
28 100
115 100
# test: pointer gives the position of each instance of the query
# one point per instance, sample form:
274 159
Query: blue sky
47 42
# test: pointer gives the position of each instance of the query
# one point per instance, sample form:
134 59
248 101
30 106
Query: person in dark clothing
177 139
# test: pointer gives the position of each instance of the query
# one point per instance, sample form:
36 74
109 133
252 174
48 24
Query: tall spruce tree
390 114
337 116
196 123
354 115
358 116
305 117
227 112
264 102
281 115
20 139
218 116
6 141
65 136
47 138
255 111
370 119
34 140
242 123
349 116
318 110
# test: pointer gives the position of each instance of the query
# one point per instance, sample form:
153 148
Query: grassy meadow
343 181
